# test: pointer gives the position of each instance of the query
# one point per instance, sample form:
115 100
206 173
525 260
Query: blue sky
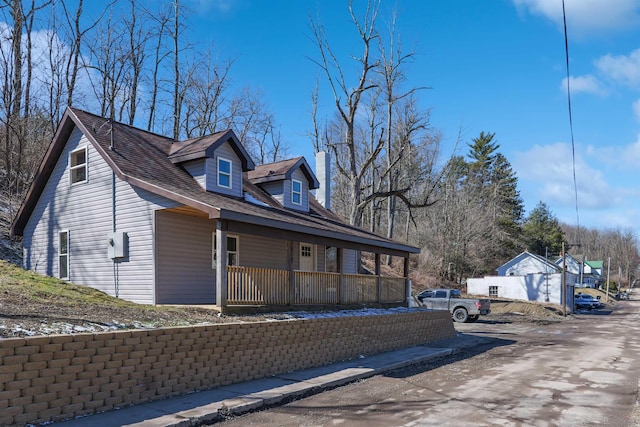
493 65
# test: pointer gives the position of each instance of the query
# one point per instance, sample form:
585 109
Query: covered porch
241 266
248 286
302 284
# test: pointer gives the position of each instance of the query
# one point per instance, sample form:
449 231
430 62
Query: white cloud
615 156
631 153
605 198
547 172
224 7
587 84
585 16
636 109
621 69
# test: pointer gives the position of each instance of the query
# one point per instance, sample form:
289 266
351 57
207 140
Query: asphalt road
583 371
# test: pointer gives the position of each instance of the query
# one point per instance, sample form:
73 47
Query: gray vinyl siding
320 258
255 251
350 261
197 169
226 152
184 251
304 206
85 210
135 215
275 189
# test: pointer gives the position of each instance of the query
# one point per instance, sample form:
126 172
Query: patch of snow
249 198
55 328
347 313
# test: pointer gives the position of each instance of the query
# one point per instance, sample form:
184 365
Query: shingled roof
197 148
144 159
282 170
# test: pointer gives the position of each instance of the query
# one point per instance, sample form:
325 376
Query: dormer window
224 172
78 165
296 192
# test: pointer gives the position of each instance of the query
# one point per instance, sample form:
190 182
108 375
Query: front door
307 257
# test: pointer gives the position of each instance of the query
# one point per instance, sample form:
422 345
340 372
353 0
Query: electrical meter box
118 244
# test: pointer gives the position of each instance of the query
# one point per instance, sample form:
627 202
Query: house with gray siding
153 220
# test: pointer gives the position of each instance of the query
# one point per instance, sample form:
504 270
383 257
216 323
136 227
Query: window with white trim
63 255
493 291
296 192
224 172
78 165
232 250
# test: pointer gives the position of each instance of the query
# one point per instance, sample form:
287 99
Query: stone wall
52 378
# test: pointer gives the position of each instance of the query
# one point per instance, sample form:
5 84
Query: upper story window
296 192
224 172
78 165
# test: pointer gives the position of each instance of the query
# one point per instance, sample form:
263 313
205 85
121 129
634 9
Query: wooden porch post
407 289
221 264
341 277
378 280
292 278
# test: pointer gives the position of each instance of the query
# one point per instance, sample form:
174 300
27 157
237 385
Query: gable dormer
216 161
288 181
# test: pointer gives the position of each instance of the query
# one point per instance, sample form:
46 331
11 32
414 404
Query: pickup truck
462 309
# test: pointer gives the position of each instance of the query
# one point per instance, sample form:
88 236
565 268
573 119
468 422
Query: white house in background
526 263
593 273
526 277
589 273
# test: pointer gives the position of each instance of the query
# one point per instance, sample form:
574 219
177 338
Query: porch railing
264 286
312 287
257 286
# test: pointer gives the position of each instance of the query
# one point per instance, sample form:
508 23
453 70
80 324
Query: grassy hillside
31 304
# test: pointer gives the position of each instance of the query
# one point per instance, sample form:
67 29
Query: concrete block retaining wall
52 378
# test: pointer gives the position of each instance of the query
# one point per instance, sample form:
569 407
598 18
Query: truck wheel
473 318
460 315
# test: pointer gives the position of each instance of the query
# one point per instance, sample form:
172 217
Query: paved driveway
583 371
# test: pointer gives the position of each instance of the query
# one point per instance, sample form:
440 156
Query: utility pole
608 271
563 290
546 275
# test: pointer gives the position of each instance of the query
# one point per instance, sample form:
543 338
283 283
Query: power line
573 147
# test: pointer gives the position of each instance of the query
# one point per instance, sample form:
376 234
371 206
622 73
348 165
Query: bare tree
18 129
12 96
250 118
392 74
619 245
369 156
54 79
314 135
455 230
207 97
76 34
347 101
138 34
178 89
162 20
108 59
16 91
